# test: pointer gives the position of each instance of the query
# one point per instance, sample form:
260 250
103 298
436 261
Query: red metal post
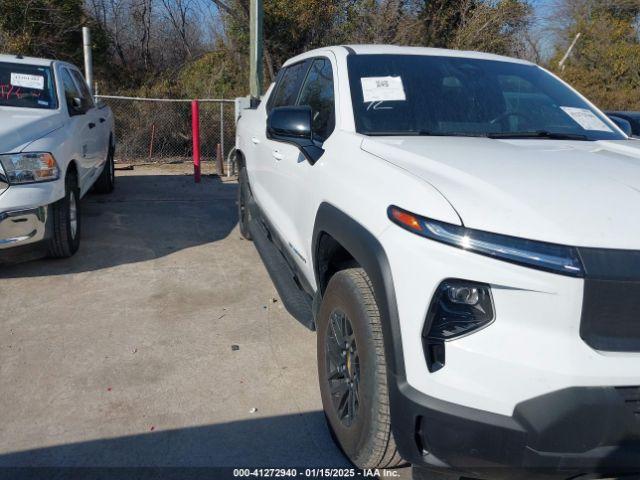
195 131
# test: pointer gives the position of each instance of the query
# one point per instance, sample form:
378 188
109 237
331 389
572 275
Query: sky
542 5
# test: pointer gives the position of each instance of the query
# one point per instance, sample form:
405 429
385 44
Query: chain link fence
159 130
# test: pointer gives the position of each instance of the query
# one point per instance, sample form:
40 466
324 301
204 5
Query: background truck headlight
29 167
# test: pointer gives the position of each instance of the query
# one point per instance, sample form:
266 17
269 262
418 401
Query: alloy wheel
343 367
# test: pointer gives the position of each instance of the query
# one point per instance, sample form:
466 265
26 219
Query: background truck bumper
570 432
19 228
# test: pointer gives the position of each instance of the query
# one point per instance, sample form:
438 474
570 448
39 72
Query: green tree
49 28
605 63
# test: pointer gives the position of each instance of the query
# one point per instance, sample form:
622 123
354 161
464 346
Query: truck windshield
438 95
26 86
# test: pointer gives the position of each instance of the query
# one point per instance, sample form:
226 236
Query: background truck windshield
433 95
26 86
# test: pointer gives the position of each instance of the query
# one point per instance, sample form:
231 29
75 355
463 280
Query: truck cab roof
343 50
39 62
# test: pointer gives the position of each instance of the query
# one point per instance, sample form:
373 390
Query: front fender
62 144
365 248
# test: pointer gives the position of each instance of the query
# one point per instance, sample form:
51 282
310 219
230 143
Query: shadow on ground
146 217
288 441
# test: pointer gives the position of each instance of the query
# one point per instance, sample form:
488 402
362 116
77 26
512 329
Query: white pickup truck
462 230
55 144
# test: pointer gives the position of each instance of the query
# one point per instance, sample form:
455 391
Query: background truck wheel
65 221
244 194
107 180
353 373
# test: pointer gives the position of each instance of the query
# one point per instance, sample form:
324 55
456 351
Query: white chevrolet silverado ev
55 144
462 230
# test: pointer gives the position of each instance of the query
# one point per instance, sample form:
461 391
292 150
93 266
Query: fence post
153 139
222 130
195 132
88 58
220 160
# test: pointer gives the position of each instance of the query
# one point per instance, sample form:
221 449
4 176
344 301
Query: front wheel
353 372
65 221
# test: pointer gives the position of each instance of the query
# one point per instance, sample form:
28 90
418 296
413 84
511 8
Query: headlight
29 167
544 256
458 308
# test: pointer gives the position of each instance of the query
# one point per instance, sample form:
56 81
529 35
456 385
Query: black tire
65 238
244 196
365 437
106 182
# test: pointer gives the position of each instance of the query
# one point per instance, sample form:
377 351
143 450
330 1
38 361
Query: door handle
92 125
277 155
102 120
255 140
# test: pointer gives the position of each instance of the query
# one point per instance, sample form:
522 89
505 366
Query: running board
297 302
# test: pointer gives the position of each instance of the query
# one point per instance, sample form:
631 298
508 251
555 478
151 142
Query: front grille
611 305
631 397
611 315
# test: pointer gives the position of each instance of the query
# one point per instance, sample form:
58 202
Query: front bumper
25 217
577 431
526 393
20 228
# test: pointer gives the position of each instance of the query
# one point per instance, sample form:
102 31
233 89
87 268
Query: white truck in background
56 144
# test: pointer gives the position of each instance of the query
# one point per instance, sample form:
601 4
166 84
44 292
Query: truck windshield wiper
497 135
539 134
427 133
423 133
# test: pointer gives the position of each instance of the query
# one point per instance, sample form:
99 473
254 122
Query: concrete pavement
123 355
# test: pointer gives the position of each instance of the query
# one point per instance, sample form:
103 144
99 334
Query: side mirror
75 106
622 124
293 125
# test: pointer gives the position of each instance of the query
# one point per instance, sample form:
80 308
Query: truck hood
568 192
21 126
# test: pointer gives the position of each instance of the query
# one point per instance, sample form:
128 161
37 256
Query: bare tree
178 13
493 26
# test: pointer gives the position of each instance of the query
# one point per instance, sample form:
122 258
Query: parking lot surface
161 343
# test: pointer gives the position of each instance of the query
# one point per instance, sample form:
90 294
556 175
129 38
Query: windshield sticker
381 89
34 82
586 119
